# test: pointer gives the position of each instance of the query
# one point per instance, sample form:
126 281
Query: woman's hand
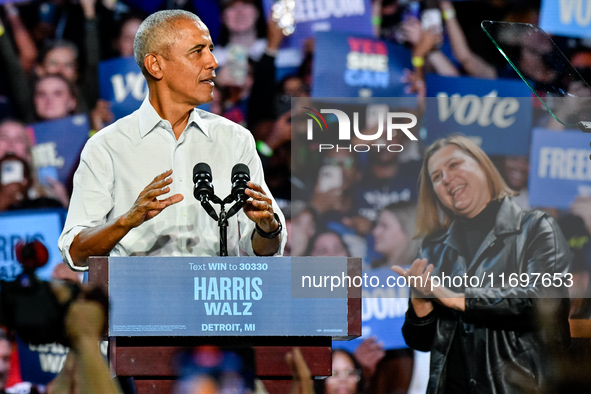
419 278
422 306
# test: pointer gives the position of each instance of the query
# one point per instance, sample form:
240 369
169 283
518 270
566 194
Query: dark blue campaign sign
122 84
559 169
349 66
212 296
496 114
59 143
382 314
41 363
571 18
317 16
26 226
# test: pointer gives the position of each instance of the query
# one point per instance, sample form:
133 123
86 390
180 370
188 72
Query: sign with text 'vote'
351 66
496 114
58 146
559 168
230 296
123 85
316 16
571 18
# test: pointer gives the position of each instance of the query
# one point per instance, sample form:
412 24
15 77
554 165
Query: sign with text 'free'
213 296
559 169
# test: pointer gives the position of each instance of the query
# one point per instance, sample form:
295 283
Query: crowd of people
336 203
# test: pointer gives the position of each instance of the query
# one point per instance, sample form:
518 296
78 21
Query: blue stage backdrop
352 66
122 84
571 18
316 16
59 143
496 114
559 168
382 317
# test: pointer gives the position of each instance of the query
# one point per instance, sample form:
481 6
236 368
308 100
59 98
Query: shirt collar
149 119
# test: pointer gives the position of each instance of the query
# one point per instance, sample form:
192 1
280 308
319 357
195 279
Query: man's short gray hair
156 33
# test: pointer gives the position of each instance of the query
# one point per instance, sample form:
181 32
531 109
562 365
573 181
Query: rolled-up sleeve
92 198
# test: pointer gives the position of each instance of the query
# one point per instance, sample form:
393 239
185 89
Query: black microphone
203 189
202 180
240 178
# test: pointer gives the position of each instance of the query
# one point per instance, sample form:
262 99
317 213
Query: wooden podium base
150 360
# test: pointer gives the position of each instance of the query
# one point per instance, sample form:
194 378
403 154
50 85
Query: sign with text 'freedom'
496 114
383 311
559 168
316 16
213 296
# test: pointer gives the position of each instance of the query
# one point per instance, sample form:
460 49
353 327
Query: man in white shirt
112 211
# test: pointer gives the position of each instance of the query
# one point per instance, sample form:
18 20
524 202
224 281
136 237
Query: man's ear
153 66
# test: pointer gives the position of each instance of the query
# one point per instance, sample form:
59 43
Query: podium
161 305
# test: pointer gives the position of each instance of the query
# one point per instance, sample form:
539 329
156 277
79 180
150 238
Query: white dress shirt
118 162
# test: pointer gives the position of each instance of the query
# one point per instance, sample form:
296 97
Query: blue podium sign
213 296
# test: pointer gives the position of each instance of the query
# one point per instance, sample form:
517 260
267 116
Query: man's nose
212 62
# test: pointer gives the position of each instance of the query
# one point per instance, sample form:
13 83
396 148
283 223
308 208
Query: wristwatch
272 234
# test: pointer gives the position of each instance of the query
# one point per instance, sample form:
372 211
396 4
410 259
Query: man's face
14 138
188 68
53 99
61 61
4 362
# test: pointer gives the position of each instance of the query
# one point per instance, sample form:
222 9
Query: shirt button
185 214
180 179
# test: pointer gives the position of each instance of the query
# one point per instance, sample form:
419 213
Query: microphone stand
222 219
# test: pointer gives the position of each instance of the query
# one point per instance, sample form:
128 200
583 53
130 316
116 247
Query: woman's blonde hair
432 216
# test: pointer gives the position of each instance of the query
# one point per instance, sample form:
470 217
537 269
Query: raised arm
100 240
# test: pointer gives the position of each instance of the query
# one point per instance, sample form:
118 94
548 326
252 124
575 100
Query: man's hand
147 204
369 353
11 193
85 321
302 379
259 208
100 240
